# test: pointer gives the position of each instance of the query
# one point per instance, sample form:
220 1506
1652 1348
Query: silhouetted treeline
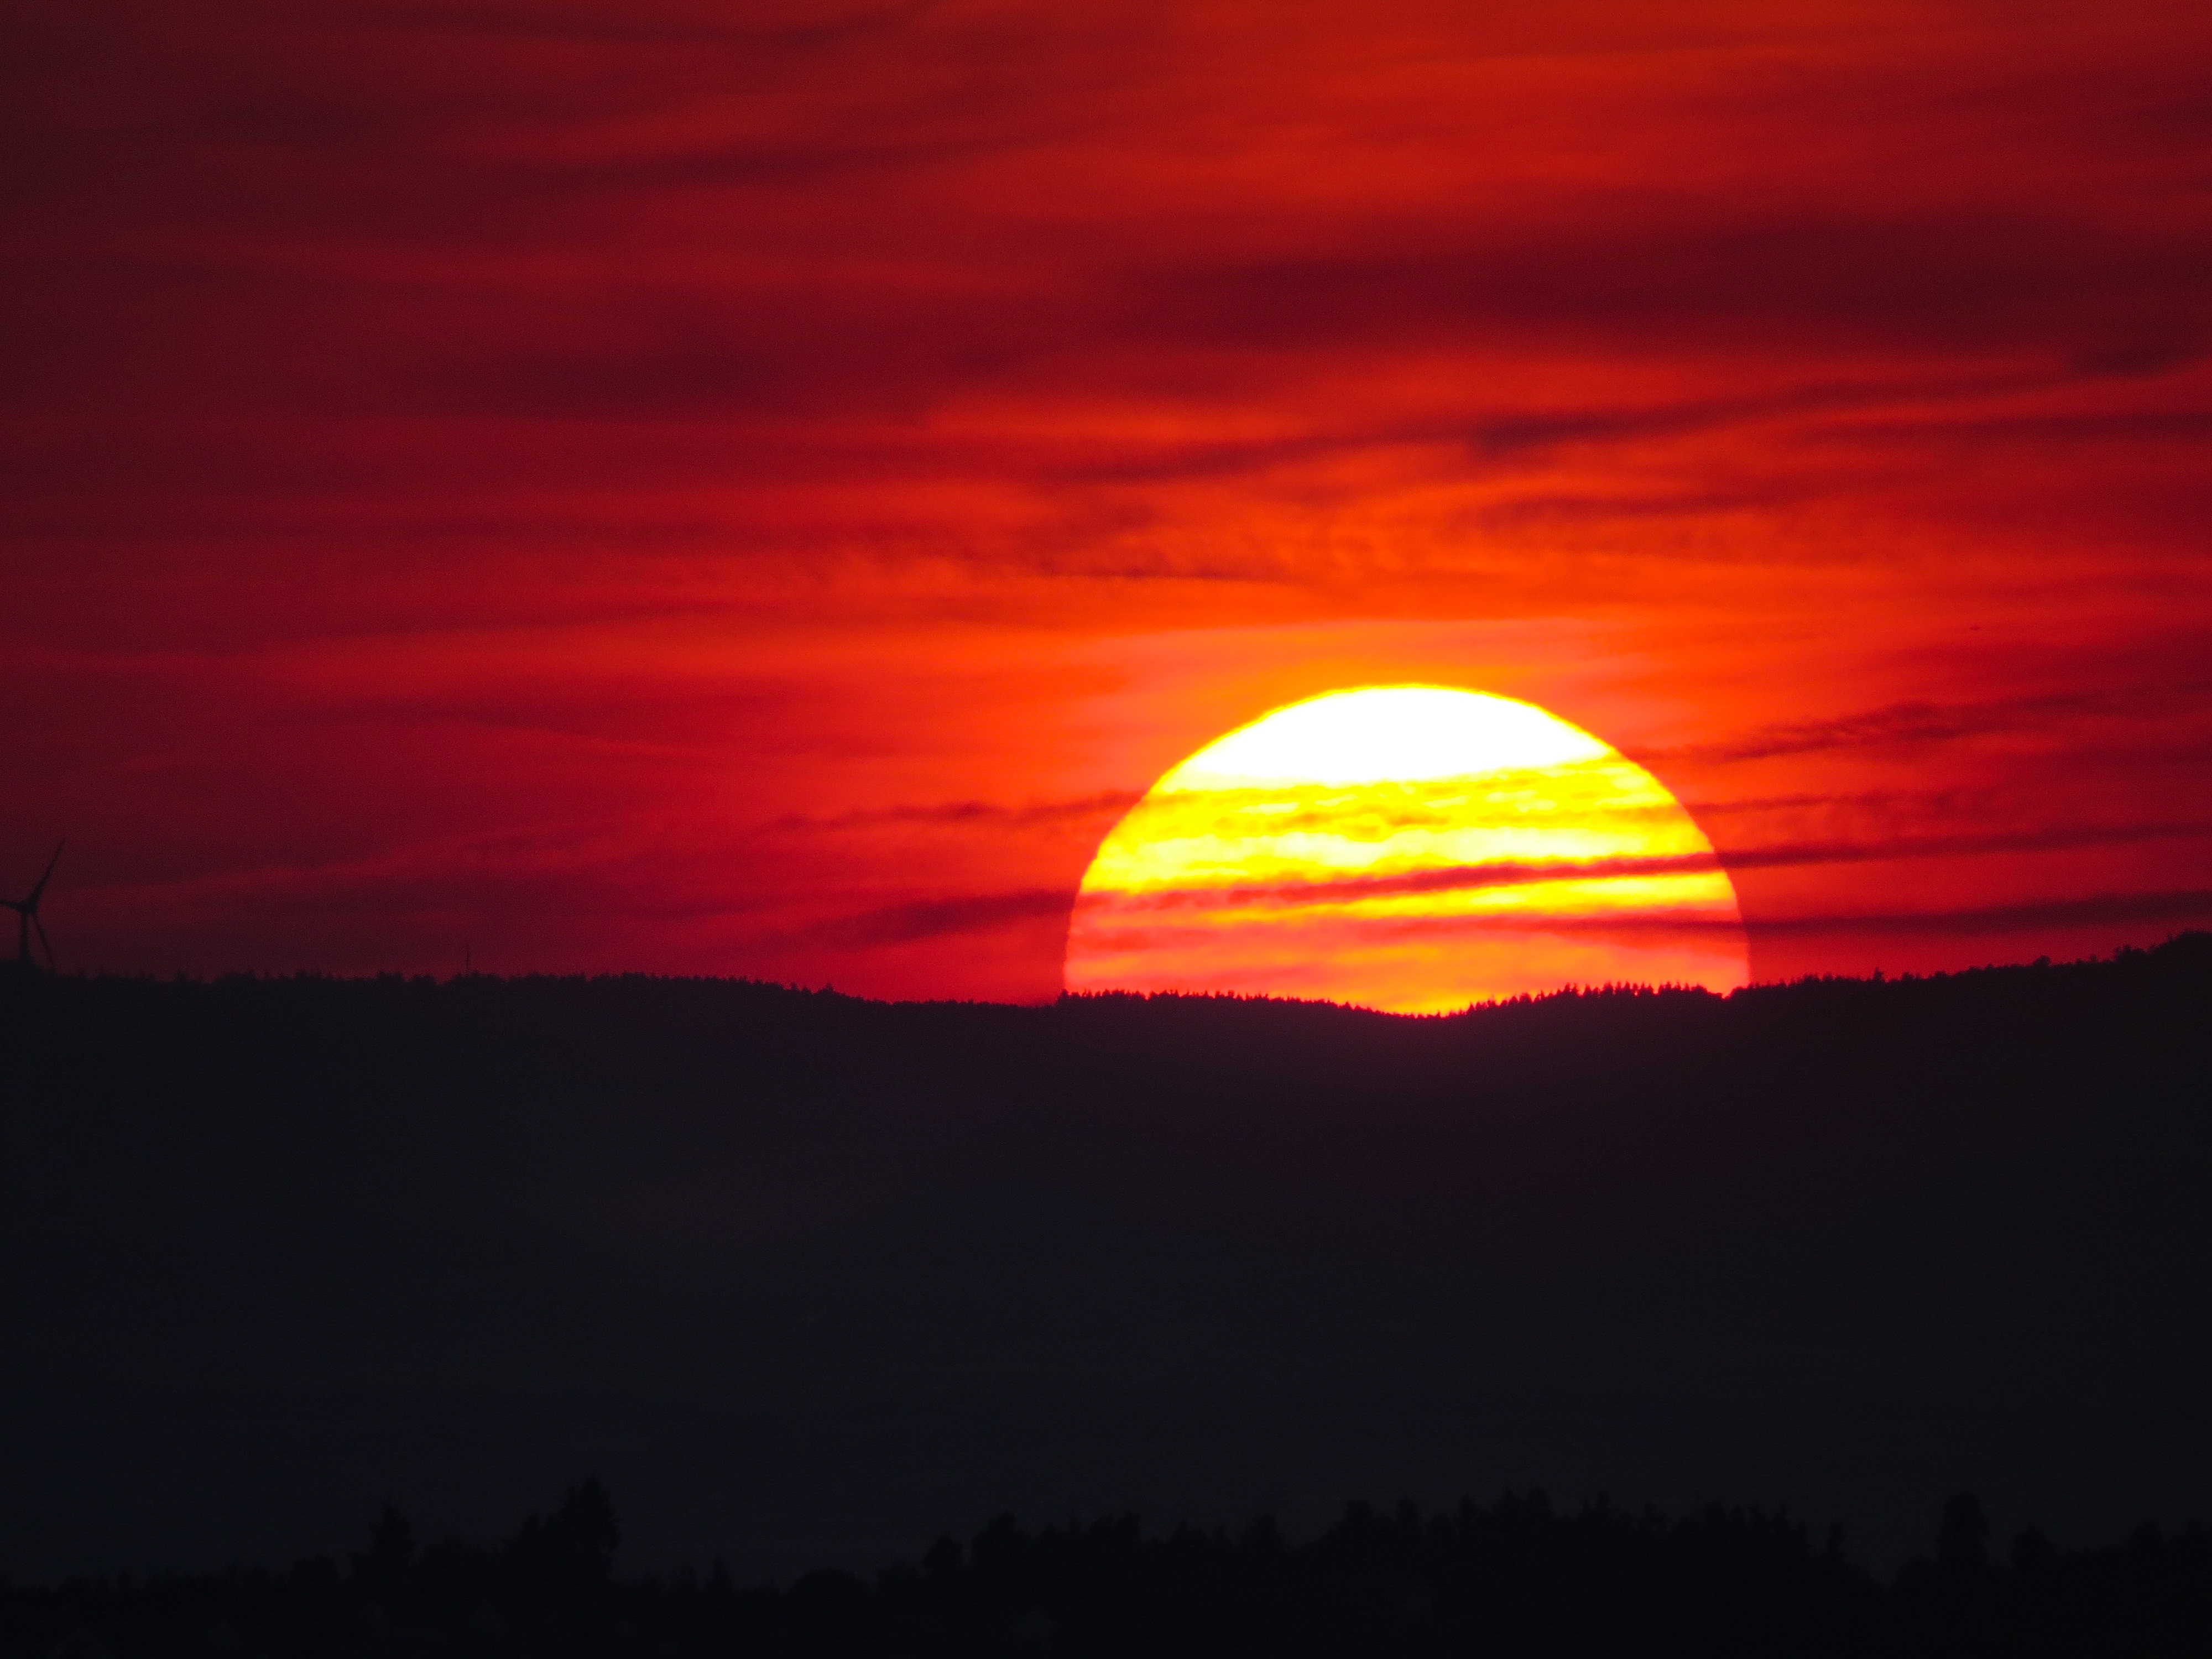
1514 1577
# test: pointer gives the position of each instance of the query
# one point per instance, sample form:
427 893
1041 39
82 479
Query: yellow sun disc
1412 848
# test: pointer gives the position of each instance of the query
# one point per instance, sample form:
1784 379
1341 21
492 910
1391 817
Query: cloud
2028 916
1660 928
960 813
1964 282
1347 890
928 918
1969 921
1917 722
2055 838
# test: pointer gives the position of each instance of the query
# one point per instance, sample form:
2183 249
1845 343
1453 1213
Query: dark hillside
810 1278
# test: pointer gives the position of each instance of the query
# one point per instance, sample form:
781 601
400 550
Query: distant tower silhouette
26 918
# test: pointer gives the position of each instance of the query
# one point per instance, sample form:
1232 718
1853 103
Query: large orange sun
1412 848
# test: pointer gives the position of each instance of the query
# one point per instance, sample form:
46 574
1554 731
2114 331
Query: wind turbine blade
48 877
44 943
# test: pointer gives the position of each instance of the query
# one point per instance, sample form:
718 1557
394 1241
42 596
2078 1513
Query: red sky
757 489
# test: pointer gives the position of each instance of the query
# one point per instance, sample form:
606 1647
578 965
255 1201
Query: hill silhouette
811 1278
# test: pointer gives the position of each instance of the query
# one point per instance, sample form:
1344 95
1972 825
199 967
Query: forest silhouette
1514 1577
810 1278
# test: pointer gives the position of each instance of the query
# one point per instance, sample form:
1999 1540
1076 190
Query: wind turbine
26 918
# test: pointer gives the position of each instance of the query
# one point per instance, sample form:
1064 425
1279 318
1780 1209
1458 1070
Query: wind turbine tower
27 919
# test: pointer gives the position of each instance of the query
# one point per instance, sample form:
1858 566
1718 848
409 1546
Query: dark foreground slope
811 1278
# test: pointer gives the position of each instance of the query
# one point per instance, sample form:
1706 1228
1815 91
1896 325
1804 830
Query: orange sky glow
763 490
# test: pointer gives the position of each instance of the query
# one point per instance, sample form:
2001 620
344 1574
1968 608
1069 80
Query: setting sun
1409 848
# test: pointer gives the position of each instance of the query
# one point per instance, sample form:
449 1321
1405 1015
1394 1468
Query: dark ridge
806 1275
